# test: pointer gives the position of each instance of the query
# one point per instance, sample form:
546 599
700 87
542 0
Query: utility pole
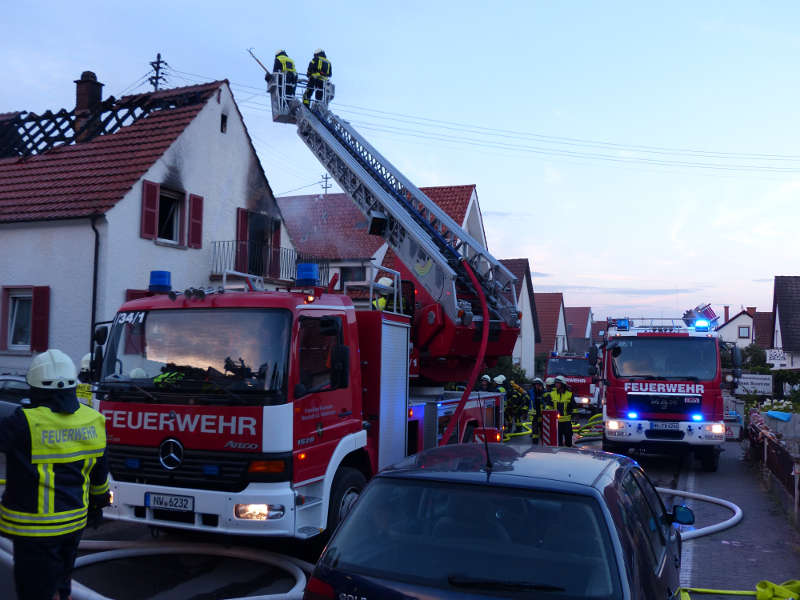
325 184
158 65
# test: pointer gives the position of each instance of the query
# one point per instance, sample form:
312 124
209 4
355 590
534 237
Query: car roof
528 467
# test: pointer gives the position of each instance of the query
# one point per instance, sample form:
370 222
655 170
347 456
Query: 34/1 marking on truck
657 425
129 317
169 502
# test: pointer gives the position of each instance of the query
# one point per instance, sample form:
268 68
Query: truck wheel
346 488
710 460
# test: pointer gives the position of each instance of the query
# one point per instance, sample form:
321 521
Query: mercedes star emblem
170 454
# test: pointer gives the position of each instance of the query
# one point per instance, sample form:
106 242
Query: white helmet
86 362
386 281
138 373
500 379
561 379
550 381
538 380
486 377
52 370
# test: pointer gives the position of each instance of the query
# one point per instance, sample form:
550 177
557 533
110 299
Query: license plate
670 426
169 502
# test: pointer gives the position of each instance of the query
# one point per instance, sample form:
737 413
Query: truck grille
221 471
655 403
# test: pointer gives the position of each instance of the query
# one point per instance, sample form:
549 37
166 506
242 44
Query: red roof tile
597 327
86 178
520 268
577 318
548 309
762 329
333 227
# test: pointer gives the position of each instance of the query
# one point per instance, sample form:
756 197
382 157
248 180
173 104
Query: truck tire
346 488
710 460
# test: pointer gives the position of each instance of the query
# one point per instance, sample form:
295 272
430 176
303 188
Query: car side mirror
681 514
101 335
592 371
340 365
96 364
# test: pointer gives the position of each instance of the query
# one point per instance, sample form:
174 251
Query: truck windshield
665 358
232 352
568 366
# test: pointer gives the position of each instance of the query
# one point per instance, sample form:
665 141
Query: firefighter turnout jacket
563 403
319 68
55 468
283 63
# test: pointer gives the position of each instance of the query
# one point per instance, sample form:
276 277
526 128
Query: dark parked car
14 390
549 523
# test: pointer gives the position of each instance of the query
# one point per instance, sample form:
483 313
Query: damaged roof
68 178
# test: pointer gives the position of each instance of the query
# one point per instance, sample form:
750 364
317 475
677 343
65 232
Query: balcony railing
262 260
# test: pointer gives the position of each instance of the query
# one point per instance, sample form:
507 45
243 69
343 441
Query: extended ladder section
425 238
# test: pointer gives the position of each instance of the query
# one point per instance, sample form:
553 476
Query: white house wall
524 349
729 332
59 254
221 167
473 222
561 332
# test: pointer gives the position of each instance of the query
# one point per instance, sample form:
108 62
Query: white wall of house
473 221
561 332
524 350
221 167
729 332
58 254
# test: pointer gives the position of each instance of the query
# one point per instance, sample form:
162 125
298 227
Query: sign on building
750 383
775 355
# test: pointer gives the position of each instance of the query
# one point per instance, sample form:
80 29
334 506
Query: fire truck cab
580 376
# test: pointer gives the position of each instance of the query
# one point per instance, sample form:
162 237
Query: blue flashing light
554 354
210 469
307 274
633 415
701 325
133 463
623 324
160 281
697 417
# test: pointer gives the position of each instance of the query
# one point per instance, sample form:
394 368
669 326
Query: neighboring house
579 328
762 326
330 227
599 332
524 353
552 323
94 198
786 320
738 329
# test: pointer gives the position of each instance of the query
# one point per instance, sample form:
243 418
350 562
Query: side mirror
593 355
340 365
97 363
681 514
101 335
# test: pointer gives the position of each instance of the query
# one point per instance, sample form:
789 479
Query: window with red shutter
149 225
25 314
195 221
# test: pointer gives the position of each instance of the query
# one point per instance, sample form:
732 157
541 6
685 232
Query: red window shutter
4 323
40 317
242 235
136 294
195 221
149 227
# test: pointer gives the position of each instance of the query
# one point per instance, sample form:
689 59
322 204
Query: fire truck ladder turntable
425 238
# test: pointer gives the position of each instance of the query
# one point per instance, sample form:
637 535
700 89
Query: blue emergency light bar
697 417
160 281
701 325
623 324
307 274
633 415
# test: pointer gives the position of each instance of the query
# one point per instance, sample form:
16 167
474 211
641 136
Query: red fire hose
478 359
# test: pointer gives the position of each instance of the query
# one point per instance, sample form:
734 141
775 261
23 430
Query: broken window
170 216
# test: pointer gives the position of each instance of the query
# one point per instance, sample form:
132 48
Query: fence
263 260
767 449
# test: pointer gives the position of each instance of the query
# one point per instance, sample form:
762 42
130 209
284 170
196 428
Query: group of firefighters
552 394
319 71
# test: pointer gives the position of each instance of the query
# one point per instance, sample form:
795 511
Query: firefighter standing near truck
57 478
536 393
561 399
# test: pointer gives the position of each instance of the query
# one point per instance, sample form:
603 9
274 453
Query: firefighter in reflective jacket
284 64
319 71
56 478
560 399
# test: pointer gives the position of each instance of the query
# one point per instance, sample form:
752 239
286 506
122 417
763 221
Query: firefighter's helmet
550 381
486 377
52 370
538 380
500 379
561 379
385 282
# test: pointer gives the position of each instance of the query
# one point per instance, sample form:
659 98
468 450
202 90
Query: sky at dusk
642 156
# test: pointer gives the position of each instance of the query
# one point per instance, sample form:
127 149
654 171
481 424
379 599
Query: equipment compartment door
394 392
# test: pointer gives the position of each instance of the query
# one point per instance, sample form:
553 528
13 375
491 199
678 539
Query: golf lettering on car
198 427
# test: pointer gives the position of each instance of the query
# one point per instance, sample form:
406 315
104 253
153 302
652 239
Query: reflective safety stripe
561 404
62 438
323 68
87 469
46 499
96 490
41 531
287 64
8 514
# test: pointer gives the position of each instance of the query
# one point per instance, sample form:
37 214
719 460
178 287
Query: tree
753 356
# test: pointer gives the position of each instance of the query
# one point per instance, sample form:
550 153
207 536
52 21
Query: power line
300 188
158 77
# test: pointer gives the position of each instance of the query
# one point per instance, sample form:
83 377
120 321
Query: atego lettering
186 423
664 388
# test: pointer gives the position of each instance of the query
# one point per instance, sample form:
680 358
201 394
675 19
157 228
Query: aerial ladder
441 256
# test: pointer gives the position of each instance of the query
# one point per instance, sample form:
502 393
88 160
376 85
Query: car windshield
665 358
568 366
493 540
221 351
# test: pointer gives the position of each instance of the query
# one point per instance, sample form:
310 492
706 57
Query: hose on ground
113 550
708 530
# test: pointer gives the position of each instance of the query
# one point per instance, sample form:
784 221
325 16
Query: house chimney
88 94
727 314
751 310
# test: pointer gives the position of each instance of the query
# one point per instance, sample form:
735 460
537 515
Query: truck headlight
583 400
613 425
717 428
259 512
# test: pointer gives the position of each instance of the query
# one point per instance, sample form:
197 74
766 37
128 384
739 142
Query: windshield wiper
499 584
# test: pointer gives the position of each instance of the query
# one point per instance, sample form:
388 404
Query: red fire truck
662 387
264 412
576 369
